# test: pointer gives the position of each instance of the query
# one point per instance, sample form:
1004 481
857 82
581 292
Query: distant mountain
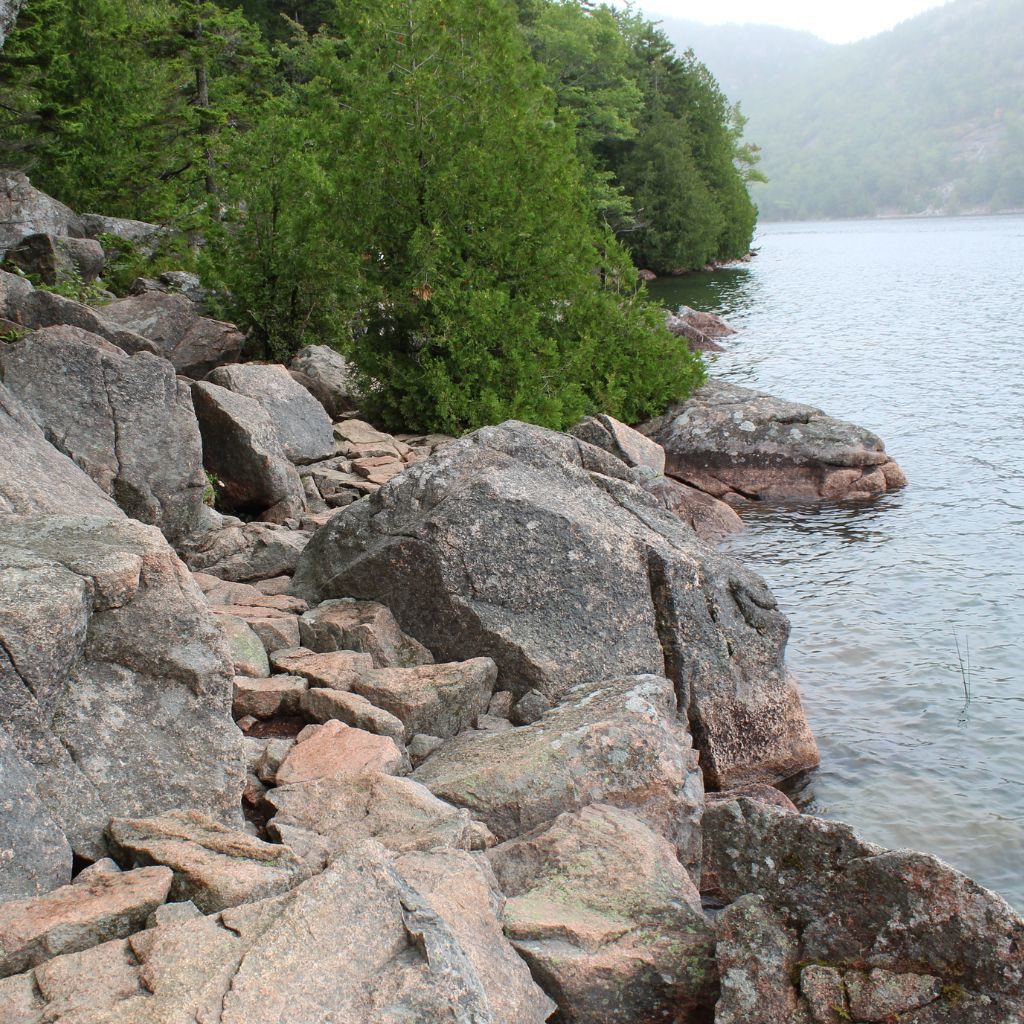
925 118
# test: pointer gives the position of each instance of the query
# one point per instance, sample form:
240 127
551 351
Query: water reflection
729 292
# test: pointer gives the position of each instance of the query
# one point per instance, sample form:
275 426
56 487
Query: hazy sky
838 21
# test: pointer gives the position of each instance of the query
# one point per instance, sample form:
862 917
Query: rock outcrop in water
743 445
516 832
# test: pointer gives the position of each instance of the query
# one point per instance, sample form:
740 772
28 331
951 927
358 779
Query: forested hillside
925 118
449 191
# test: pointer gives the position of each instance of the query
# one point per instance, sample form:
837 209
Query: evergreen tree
454 207
119 105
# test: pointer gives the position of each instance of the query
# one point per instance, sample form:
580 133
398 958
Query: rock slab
125 420
115 684
739 444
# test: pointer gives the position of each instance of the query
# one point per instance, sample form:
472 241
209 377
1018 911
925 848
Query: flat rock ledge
743 445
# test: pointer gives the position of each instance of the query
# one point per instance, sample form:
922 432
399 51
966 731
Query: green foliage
126 261
282 253
123 105
417 202
434 187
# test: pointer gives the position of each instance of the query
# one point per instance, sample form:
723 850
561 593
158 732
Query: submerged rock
739 444
541 552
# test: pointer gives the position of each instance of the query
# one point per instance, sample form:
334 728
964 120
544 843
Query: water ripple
913 329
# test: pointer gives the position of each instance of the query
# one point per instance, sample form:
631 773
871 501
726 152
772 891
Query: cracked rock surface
35 477
545 554
125 420
871 929
739 444
369 939
115 684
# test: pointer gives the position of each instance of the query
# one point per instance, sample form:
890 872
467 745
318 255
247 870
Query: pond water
915 330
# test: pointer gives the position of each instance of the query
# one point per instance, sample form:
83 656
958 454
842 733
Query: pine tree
449 196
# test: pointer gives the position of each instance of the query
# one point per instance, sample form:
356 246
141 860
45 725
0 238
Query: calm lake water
914 329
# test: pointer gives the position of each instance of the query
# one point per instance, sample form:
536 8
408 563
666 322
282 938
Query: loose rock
194 344
302 426
241 448
440 700
607 918
618 742
214 867
366 626
543 553
399 813
337 749
328 377
75 917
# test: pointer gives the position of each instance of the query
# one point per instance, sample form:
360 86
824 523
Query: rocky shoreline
416 728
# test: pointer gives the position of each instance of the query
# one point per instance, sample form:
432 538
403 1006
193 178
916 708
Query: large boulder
126 420
302 425
369 940
233 550
24 210
241 448
35 477
115 683
33 308
858 909
58 260
607 919
740 445
328 377
545 554
618 742
194 344
34 854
